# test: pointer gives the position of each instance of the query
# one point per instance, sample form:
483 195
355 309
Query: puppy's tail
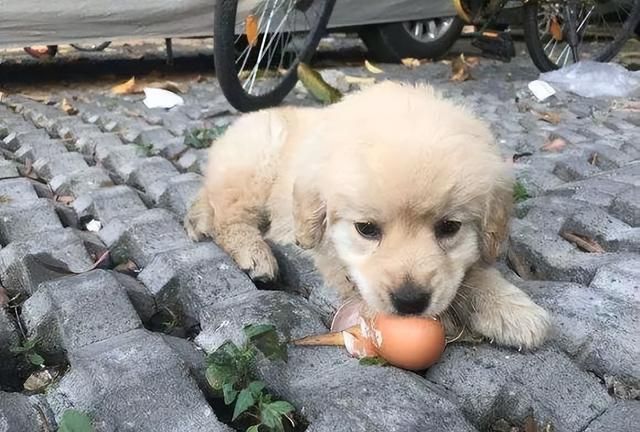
199 218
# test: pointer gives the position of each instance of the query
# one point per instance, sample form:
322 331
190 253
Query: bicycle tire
224 52
95 48
536 49
391 42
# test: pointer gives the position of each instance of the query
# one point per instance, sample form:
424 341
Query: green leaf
271 418
256 387
229 393
281 407
520 192
243 403
75 421
265 338
35 359
373 361
253 330
253 428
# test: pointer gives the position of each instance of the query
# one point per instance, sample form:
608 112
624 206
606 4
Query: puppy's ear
309 214
495 227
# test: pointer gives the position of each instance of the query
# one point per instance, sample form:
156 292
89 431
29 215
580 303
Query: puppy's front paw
257 260
517 322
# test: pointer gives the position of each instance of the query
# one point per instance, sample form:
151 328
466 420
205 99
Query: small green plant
230 373
520 193
75 421
145 149
202 138
28 349
373 361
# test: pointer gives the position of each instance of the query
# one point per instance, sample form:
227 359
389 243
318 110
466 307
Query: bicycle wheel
256 51
605 24
91 48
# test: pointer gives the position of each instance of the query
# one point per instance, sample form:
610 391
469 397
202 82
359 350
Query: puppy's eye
447 228
368 230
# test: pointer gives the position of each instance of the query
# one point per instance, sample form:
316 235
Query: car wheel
429 38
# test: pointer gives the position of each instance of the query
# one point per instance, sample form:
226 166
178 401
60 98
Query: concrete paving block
194 358
8 169
20 413
108 203
45 149
72 312
63 164
188 160
629 174
624 416
174 149
139 295
492 383
291 315
151 175
129 129
593 191
88 145
546 255
188 280
598 330
349 395
17 191
73 132
157 138
626 206
612 234
21 220
572 169
180 193
175 122
620 279
120 160
25 264
135 382
9 340
81 182
141 238
15 140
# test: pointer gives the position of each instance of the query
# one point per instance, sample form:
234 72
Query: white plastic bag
594 79
161 98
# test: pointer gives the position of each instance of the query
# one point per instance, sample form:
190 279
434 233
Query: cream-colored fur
398 156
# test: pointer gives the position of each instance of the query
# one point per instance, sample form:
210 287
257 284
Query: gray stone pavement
127 167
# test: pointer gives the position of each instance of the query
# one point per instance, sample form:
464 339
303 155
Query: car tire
395 41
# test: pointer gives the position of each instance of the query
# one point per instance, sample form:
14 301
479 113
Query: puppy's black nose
409 299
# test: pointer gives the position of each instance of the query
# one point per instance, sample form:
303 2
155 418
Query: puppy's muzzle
410 299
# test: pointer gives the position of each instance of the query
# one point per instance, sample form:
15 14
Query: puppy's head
413 193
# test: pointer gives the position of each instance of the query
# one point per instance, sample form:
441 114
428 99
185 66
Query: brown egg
412 343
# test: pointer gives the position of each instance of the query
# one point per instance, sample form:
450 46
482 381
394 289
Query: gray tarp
38 22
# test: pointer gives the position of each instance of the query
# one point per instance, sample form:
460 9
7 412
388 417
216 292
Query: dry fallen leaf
359 80
460 70
68 108
38 97
472 61
555 29
550 117
127 87
411 62
251 29
583 242
554 144
40 380
593 160
371 68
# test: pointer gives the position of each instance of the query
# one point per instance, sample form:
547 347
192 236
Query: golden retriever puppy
400 197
